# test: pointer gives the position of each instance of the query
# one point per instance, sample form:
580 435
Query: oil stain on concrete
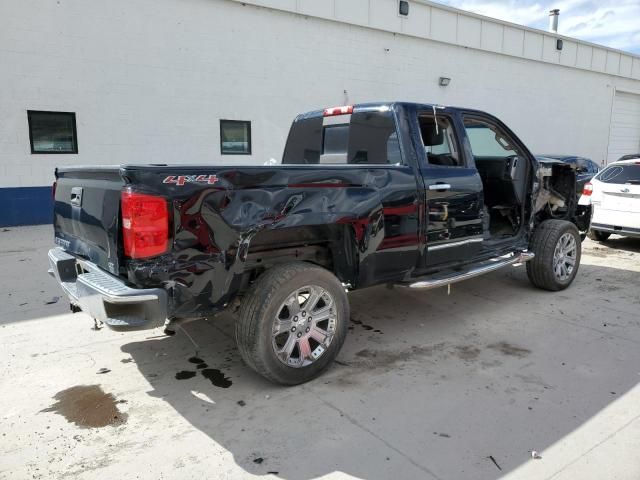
215 376
88 406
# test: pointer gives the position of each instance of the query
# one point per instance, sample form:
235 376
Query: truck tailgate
86 213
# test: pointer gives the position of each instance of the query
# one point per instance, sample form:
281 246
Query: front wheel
598 235
292 323
557 248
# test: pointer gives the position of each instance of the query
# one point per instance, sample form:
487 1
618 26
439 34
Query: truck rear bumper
106 297
620 230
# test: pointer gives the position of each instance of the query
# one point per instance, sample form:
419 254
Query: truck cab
466 179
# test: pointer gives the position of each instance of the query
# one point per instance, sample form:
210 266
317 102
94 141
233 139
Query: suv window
584 165
359 138
487 140
629 173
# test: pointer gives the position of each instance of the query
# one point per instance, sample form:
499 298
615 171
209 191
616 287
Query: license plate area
621 202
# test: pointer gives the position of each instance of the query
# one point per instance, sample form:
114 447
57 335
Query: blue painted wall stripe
25 206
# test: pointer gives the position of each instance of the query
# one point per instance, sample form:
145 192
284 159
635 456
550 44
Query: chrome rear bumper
106 297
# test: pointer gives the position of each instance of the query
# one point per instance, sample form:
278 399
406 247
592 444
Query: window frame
73 151
249 141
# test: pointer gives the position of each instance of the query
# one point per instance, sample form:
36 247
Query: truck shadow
428 385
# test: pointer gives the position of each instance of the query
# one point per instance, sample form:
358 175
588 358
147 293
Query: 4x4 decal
182 179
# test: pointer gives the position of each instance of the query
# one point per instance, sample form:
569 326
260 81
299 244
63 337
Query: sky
613 23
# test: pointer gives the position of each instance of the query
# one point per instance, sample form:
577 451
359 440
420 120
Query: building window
235 137
52 132
403 8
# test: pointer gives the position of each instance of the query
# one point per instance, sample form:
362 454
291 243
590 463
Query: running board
440 280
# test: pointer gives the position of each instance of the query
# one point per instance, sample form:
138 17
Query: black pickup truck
414 195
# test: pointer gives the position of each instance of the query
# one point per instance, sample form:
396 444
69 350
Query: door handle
440 186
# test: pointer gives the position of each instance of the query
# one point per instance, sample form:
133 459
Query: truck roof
373 106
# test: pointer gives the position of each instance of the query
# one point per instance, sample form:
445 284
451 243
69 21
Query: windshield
629 173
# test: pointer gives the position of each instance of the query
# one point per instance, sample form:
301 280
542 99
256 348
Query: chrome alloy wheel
564 256
304 326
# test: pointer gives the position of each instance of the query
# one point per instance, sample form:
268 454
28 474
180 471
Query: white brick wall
150 80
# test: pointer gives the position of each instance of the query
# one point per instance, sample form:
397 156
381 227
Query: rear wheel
557 248
292 323
598 235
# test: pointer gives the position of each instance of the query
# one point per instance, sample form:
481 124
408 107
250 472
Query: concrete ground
427 386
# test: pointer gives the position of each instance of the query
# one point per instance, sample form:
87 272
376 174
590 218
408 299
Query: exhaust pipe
553 20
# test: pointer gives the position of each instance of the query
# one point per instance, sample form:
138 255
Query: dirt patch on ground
88 406
600 252
384 358
511 350
466 352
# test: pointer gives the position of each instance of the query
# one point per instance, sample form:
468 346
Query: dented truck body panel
368 224
358 215
354 216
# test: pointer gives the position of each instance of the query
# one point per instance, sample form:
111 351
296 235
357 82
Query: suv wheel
557 246
292 323
598 235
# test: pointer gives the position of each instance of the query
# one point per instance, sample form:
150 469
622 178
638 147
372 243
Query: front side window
362 138
235 137
52 132
487 140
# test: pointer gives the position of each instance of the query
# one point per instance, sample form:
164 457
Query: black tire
598 235
540 270
258 313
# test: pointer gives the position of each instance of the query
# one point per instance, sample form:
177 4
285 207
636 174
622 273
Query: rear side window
620 174
439 141
360 138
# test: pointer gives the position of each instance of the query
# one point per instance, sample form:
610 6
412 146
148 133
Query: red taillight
145 224
53 189
344 110
587 190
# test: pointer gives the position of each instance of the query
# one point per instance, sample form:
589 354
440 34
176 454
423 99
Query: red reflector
145 224
344 110
588 189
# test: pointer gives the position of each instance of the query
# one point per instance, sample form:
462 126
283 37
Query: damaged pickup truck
418 196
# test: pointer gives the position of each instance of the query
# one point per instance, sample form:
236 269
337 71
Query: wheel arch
332 247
